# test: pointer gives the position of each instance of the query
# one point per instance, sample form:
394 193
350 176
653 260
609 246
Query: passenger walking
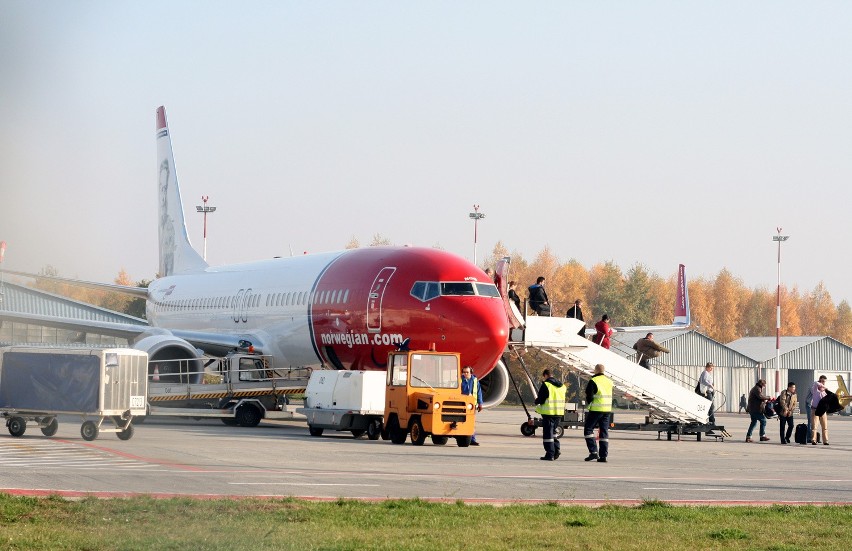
743 404
470 386
599 398
603 332
550 404
576 312
648 349
706 389
787 402
818 392
756 405
513 295
538 298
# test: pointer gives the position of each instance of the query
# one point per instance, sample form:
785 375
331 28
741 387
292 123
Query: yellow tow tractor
423 398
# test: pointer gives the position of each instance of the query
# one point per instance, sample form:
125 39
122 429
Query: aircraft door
374 300
244 304
238 301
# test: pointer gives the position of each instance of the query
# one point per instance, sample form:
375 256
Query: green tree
606 292
637 308
136 306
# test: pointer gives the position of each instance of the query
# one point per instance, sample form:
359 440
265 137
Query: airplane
338 310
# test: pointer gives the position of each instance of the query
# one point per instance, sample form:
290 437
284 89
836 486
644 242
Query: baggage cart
37 384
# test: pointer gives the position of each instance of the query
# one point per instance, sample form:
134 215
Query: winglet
683 315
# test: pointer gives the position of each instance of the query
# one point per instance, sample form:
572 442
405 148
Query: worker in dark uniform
470 386
599 398
550 404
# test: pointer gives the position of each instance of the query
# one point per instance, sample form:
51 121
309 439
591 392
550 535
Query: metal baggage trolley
38 383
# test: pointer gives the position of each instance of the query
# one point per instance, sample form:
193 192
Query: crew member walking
599 398
550 404
470 385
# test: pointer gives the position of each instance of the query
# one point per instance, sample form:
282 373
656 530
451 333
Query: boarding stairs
665 399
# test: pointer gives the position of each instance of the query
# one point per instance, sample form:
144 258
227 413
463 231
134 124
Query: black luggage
802 433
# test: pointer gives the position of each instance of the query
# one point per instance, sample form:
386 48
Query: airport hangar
738 365
27 300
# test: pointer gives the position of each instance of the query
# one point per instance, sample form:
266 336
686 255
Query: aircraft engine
495 385
171 360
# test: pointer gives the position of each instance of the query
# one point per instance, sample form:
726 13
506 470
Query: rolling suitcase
801 433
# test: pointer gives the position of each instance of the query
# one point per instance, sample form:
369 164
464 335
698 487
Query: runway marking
299 484
680 489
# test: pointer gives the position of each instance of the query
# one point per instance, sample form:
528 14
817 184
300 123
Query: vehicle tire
139 419
89 431
248 416
230 421
374 429
560 430
527 429
397 435
358 433
418 435
17 426
439 440
314 431
50 428
463 441
125 434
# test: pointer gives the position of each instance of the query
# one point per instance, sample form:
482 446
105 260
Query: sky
651 132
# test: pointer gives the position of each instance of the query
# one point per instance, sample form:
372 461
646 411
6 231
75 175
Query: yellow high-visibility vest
555 403
602 400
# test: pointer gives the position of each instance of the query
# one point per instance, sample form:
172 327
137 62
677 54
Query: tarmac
206 459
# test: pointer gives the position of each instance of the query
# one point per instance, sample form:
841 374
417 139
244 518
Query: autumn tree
353 243
726 308
817 312
842 330
636 306
758 314
380 241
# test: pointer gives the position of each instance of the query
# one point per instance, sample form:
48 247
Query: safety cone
156 376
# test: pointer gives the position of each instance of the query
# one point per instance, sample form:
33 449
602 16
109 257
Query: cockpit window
457 288
487 290
427 290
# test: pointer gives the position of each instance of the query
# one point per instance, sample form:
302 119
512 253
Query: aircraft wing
215 344
138 292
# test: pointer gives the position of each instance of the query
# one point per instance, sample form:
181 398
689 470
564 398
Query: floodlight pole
476 216
779 238
205 209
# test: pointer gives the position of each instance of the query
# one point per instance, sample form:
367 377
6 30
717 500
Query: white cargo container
38 383
345 401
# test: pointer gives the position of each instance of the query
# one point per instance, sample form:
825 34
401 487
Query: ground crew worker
470 385
550 404
599 398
